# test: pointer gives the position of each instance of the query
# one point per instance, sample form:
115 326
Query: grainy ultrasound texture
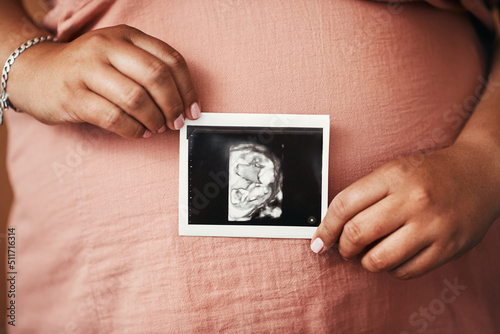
255 182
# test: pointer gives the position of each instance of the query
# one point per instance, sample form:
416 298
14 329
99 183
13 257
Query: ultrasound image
254 176
255 181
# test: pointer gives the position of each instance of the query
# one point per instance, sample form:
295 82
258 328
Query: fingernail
146 134
162 129
317 245
179 122
195 110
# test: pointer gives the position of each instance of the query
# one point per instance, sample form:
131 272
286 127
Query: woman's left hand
415 214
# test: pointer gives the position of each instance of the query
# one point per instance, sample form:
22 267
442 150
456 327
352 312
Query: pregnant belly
388 76
392 82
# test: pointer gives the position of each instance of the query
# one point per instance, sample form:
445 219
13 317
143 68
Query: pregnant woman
410 187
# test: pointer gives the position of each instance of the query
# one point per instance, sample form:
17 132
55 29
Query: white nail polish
179 122
195 110
317 245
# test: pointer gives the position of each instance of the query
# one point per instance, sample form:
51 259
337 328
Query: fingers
105 114
143 77
427 260
352 200
155 76
178 68
127 95
371 224
395 249
403 218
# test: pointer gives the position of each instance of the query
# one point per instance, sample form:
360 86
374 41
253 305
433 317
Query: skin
126 82
413 215
404 218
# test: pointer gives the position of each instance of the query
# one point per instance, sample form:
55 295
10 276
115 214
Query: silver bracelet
4 97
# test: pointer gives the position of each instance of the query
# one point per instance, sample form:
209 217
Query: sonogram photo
254 176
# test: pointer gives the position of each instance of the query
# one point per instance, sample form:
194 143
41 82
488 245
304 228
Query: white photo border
258 121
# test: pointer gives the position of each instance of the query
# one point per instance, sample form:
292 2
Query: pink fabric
98 244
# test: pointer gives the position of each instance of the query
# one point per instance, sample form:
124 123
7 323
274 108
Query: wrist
479 155
13 63
483 141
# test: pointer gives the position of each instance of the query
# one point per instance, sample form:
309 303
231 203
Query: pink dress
96 215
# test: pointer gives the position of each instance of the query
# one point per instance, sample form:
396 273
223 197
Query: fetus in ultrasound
255 182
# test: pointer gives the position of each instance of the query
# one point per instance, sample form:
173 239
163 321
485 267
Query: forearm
16 27
482 130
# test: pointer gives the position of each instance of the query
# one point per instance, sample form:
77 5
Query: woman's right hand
117 78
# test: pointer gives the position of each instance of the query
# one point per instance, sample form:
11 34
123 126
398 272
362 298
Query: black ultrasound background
300 151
